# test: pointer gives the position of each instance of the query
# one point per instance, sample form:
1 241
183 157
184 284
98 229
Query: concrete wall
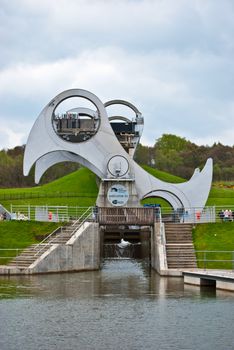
102 200
81 252
158 253
209 278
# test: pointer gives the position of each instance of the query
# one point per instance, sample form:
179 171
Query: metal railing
217 259
48 241
198 215
46 212
17 250
11 253
188 215
87 215
125 215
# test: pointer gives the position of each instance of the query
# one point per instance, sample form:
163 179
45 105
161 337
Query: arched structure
96 145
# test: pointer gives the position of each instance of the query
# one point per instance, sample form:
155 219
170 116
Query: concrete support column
158 251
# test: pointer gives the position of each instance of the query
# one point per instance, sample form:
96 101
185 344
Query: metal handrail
10 249
181 215
47 237
71 234
59 213
206 252
84 213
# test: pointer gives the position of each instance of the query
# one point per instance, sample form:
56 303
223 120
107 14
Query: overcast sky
173 59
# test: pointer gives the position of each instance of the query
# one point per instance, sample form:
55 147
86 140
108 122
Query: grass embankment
80 189
21 234
214 237
223 197
221 194
76 189
161 175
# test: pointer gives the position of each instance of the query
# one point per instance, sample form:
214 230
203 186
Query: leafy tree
170 153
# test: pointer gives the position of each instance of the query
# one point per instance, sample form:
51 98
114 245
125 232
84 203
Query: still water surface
124 306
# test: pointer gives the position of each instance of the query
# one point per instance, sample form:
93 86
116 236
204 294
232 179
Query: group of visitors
3 216
226 215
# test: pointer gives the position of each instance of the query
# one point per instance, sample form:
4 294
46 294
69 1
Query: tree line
170 153
11 170
180 157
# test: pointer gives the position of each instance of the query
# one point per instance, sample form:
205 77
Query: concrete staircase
33 252
179 246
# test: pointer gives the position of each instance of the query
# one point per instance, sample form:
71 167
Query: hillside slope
80 189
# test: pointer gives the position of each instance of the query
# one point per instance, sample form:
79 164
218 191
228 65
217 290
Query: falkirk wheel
106 146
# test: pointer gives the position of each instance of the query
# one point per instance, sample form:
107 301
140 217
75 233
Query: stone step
59 238
179 246
179 230
19 264
28 255
182 266
178 224
190 266
183 251
177 236
191 262
175 230
179 240
180 249
28 262
176 233
181 258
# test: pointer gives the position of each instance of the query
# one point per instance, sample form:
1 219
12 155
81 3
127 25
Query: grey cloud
174 59
47 30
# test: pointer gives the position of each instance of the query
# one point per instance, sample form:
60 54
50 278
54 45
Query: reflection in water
124 306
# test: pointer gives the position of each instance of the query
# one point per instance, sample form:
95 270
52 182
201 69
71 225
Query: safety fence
47 213
198 215
41 194
215 259
124 215
8 254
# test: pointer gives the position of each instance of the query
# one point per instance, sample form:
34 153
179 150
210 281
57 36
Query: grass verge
214 237
21 234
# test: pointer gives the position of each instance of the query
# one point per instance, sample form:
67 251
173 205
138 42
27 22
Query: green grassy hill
76 189
213 238
161 175
221 194
80 189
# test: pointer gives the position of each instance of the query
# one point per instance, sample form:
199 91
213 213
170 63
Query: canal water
124 306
